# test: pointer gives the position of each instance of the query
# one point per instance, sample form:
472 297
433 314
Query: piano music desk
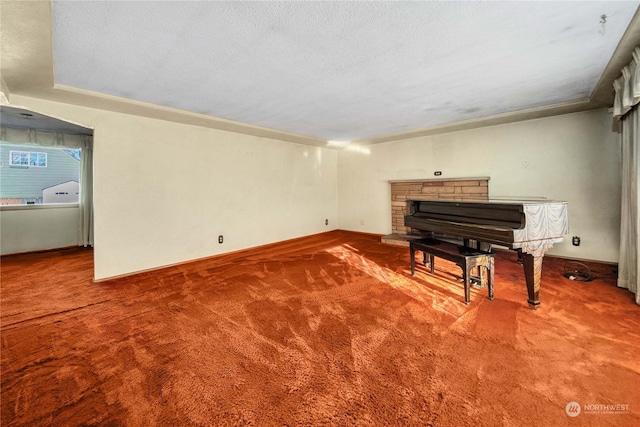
466 258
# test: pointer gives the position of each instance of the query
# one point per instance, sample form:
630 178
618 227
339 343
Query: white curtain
86 193
625 109
64 140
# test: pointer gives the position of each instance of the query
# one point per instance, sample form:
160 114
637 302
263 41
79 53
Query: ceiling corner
602 95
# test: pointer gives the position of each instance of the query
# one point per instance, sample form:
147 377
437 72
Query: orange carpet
325 330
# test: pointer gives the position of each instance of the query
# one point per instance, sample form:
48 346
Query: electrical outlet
575 240
220 239
326 222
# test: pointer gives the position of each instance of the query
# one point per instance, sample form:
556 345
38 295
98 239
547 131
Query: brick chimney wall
432 189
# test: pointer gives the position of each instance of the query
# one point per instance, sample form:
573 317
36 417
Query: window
28 158
44 175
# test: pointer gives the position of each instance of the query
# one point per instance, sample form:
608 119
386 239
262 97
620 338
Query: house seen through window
31 175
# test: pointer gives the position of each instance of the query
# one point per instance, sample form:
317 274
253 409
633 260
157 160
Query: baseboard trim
42 251
596 261
397 239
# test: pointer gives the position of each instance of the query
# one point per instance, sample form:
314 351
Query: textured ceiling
339 70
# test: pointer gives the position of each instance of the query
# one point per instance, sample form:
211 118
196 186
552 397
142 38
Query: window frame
29 157
41 205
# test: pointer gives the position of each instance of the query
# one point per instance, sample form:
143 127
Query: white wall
573 157
163 191
27 230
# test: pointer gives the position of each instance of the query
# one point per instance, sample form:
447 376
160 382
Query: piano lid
495 221
495 201
482 212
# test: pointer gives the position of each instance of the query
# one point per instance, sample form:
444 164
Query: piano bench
466 258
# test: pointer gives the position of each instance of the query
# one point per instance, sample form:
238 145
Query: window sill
41 206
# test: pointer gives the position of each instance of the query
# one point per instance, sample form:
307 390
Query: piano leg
412 251
532 271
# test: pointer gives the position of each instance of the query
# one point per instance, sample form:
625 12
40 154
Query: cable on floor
577 271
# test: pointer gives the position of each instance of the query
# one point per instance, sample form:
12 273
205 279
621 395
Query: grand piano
530 227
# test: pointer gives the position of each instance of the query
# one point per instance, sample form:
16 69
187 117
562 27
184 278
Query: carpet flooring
324 330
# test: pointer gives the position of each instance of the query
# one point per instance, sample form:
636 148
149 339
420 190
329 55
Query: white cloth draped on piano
627 97
543 220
